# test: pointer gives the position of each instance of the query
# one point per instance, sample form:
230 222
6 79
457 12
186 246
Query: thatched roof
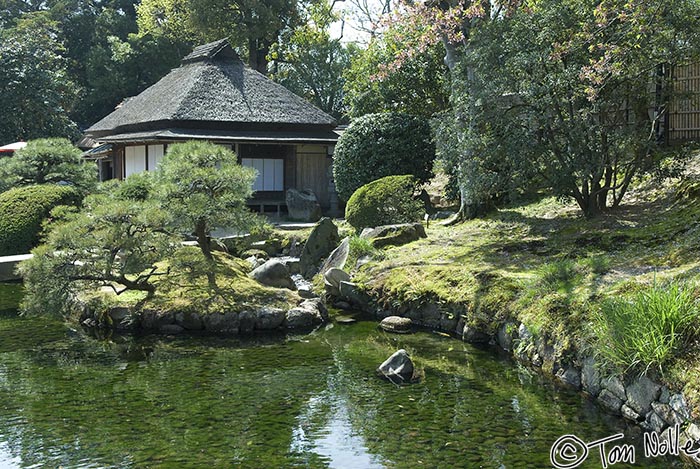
212 87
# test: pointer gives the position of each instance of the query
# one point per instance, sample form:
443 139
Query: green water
68 400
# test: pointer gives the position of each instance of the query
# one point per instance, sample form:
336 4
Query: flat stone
394 235
641 393
334 276
396 324
610 401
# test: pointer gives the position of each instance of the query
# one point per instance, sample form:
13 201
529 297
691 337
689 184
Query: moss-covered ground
181 290
541 262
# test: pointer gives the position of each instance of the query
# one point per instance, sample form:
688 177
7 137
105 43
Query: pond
68 400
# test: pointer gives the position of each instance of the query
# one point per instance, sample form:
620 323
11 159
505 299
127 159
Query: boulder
322 241
614 385
332 279
677 403
506 335
338 257
396 324
394 235
171 329
352 293
273 273
303 205
610 401
398 368
217 322
641 393
269 318
308 314
292 263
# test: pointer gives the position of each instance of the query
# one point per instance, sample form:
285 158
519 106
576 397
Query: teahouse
214 96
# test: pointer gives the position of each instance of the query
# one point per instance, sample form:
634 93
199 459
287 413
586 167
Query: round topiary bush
23 209
386 201
378 145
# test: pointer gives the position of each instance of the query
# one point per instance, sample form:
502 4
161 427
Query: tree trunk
205 245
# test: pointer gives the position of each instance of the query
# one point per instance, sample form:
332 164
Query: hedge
378 145
22 211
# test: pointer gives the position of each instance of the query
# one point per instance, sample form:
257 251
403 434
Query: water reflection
69 400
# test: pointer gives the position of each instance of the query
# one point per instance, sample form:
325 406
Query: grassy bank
543 264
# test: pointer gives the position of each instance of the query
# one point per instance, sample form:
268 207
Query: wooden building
213 96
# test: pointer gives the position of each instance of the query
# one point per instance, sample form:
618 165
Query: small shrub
22 211
387 201
136 187
378 145
648 329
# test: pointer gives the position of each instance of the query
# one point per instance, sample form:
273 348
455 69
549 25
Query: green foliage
540 91
419 87
45 161
204 187
22 211
378 145
110 243
37 91
310 63
386 201
137 187
646 331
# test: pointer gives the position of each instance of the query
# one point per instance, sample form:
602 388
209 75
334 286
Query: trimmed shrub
22 211
378 145
386 201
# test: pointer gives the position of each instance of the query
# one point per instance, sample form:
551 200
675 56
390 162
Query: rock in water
303 205
322 240
273 274
398 368
396 324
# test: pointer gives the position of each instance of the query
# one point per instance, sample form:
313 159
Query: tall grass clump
647 330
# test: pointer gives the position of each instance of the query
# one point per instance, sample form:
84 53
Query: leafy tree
570 95
252 26
374 82
204 187
310 63
36 91
48 160
112 242
378 145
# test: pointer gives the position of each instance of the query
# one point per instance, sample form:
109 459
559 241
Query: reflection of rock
303 205
398 368
396 324
273 274
322 240
394 235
